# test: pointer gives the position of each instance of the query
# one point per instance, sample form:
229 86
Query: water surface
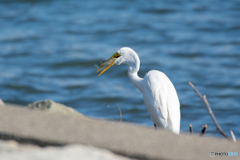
49 49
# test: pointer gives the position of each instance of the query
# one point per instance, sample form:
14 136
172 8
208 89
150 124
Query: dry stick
191 130
120 113
203 130
233 136
203 97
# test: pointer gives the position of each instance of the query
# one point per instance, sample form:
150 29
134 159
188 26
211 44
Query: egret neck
133 69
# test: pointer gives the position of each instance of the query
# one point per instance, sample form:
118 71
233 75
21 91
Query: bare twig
203 130
120 113
191 130
233 136
203 97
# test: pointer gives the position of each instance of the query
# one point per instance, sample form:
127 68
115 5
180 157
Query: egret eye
116 55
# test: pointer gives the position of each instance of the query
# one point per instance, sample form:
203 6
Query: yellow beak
106 67
112 60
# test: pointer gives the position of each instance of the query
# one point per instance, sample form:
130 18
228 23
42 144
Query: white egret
159 94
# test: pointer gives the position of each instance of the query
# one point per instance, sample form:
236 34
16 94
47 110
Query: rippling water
49 49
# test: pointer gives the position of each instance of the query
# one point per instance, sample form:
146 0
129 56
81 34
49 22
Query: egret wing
158 91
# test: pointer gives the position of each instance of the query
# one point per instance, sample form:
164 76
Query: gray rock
31 126
11 146
11 150
1 103
51 106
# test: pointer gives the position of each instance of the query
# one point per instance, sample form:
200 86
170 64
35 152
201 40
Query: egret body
159 94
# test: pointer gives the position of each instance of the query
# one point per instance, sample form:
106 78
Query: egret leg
155 126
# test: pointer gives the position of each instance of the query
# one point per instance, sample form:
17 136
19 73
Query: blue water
48 49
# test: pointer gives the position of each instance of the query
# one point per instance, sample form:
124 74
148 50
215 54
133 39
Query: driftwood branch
233 136
120 113
203 97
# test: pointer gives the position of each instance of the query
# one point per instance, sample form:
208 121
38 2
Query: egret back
161 100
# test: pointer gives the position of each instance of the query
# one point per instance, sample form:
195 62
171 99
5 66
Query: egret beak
110 62
107 67
99 69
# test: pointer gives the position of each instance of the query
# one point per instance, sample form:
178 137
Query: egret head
124 56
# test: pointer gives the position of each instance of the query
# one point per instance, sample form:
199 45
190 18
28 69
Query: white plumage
159 94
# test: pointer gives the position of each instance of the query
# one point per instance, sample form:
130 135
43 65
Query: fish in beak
108 62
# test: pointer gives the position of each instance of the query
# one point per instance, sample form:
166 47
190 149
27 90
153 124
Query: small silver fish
107 62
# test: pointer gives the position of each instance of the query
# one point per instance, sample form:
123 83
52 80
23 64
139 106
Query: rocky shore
46 130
